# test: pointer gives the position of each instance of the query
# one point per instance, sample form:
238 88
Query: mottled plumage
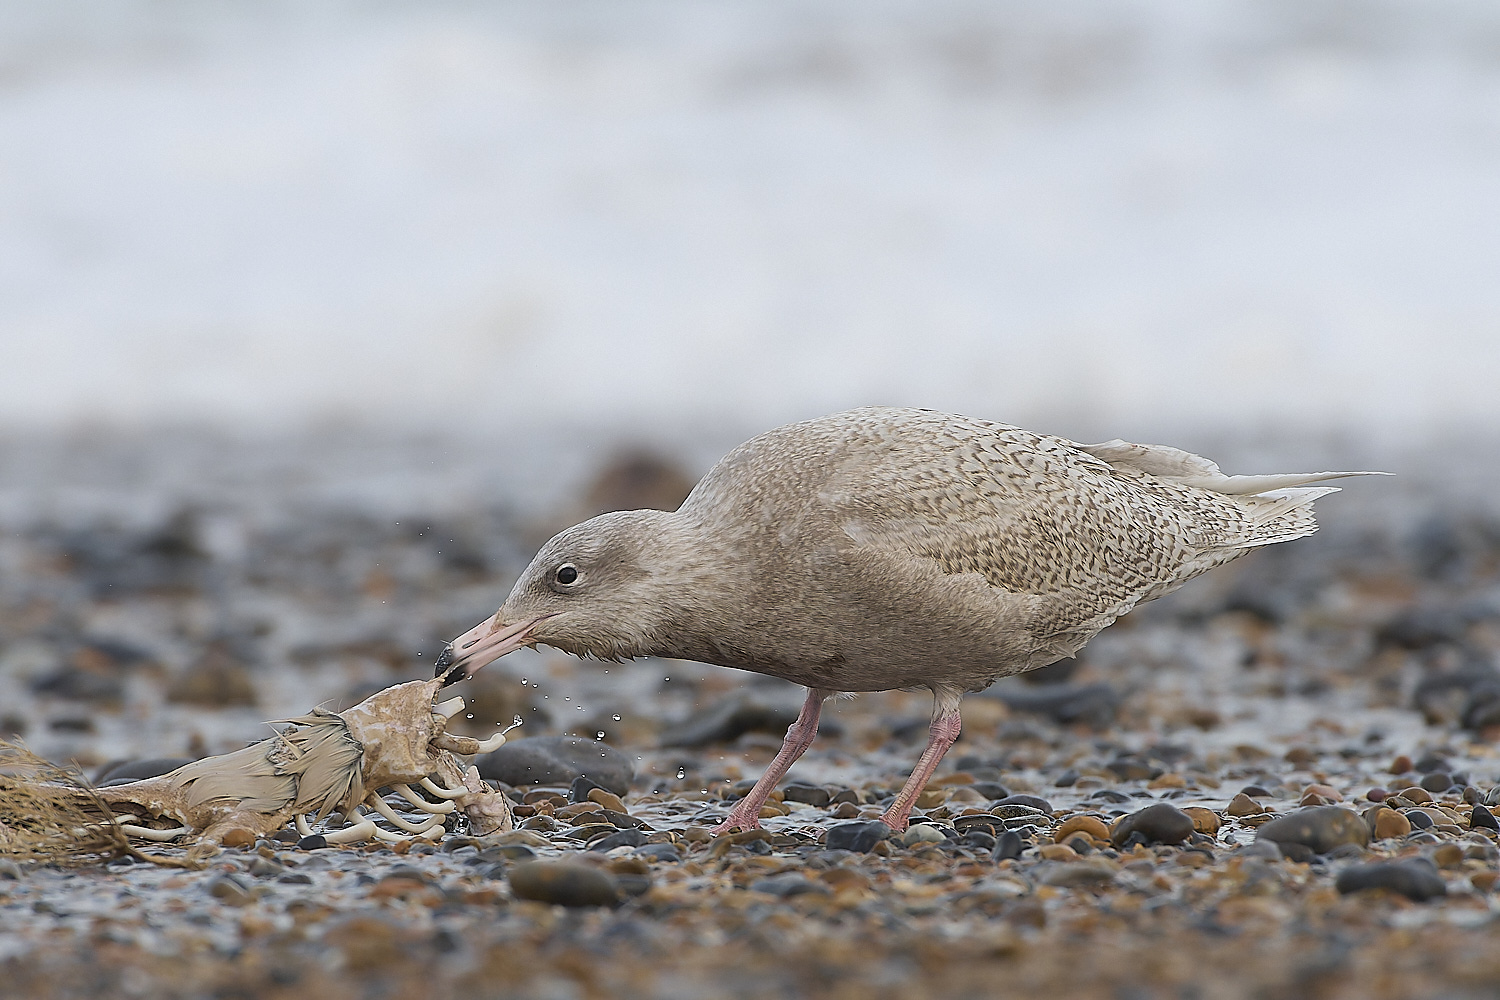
889 548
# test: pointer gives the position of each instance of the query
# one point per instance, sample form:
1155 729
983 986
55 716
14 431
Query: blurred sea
1140 218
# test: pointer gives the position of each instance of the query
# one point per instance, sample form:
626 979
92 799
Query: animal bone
326 762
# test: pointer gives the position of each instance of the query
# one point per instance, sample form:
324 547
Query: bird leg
946 725
799 736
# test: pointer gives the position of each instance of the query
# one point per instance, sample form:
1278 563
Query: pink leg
945 729
799 736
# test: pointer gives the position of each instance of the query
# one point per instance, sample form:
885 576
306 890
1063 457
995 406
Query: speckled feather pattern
889 548
1040 543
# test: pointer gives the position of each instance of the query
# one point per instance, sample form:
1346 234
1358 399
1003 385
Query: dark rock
991 789
978 840
295 878
1267 850
1319 828
1032 801
316 842
860 837
508 852
1419 819
1437 782
1067 779
740 713
1158 824
633 885
1008 846
1110 795
812 795
1416 879
1255 792
1482 819
659 852
230 890
1094 705
788 884
565 883
579 790
625 838
124 771
557 760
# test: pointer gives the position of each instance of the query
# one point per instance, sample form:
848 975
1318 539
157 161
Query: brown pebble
1377 794
1389 823
1300 756
1417 794
1243 805
845 810
1057 852
1326 791
1400 765
608 800
238 837
1092 826
1484 881
1205 821
1448 856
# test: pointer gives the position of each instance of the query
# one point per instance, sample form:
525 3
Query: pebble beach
1280 782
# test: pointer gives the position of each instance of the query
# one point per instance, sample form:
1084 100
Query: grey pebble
1318 828
1416 879
624 838
558 760
788 884
860 837
564 883
812 795
659 852
1156 824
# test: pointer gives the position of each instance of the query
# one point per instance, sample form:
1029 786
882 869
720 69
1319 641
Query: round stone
1092 826
1415 879
1161 823
564 883
1319 828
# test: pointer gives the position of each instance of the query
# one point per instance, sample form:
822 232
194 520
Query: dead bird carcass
324 763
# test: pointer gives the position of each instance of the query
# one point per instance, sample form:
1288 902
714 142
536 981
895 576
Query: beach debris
324 766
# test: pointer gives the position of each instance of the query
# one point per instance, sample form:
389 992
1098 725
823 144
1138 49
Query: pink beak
487 641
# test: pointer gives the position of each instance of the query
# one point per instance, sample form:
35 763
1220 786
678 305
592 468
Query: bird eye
567 573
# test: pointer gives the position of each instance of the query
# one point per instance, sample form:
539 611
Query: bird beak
489 640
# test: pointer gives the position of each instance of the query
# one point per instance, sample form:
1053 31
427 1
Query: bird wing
1034 515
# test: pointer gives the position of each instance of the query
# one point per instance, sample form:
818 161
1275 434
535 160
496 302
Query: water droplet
599 735
567 697
523 682
681 773
469 715
665 679
616 718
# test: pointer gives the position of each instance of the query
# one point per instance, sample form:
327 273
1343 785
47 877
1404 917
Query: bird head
590 591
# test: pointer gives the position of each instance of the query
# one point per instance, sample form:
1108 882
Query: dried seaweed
53 815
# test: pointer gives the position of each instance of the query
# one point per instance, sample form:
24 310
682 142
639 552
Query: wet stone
563 883
578 790
1318 828
1008 846
922 833
558 760
1158 824
230 890
1482 819
1416 879
659 852
316 842
812 795
859 837
788 884
1437 782
625 838
1029 801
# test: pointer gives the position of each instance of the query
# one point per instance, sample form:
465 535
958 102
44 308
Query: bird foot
735 822
897 823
